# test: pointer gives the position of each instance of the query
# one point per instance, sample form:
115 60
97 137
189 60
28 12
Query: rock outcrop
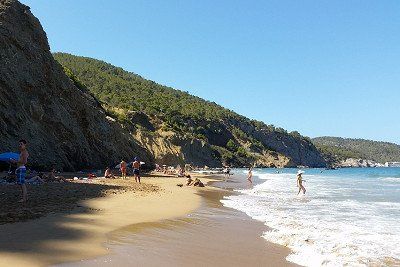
171 149
298 151
64 124
358 163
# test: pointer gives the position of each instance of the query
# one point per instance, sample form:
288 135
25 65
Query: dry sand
80 234
156 224
60 197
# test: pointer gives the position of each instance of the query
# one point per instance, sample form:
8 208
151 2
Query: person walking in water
123 169
21 169
136 169
300 182
250 175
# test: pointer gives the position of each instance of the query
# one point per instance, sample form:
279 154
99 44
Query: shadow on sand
64 215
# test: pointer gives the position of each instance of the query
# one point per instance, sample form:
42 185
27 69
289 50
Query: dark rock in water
63 124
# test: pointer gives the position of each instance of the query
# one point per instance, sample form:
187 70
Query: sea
348 217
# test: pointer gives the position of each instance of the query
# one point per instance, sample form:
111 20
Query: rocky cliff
89 114
63 123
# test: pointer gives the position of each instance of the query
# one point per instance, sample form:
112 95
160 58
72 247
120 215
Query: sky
318 67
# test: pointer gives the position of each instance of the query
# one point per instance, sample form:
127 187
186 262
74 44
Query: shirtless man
123 169
21 169
136 169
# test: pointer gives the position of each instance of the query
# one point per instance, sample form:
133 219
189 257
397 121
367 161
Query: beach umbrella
9 156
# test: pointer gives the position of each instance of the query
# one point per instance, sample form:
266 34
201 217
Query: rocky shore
358 163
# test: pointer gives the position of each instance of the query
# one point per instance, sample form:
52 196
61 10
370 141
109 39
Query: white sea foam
339 222
391 179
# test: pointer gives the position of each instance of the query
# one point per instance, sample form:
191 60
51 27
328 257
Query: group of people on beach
123 166
38 178
20 173
299 180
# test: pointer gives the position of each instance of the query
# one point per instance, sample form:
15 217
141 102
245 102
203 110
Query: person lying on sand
181 172
51 177
198 183
108 173
37 179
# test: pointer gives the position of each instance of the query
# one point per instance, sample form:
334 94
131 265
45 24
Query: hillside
343 148
178 127
65 126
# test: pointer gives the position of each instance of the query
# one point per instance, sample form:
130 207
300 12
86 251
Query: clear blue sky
319 67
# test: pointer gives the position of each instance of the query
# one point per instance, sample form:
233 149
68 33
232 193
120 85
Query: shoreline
212 235
82 232
88 233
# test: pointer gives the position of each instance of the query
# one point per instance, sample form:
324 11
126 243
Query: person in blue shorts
136 169
21 169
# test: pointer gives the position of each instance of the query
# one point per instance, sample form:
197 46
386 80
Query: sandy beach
154 224
81 232
212 235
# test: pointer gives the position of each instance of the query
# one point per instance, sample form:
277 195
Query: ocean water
348 217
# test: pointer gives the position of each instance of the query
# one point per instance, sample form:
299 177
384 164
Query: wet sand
155 224
212 235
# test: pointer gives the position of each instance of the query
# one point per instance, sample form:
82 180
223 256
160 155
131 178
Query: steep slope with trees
178 127
344 148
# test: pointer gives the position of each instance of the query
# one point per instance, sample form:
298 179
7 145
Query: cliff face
171 149
67 127
64 125
290 151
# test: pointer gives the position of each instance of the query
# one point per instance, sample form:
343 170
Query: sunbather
108 173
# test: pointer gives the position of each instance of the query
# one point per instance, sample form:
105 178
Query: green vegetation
231 135
343 148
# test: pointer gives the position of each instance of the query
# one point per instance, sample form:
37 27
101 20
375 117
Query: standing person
300 182
136 169
250 175
123 169
21 169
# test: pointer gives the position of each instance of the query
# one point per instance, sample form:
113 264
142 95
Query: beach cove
172 224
